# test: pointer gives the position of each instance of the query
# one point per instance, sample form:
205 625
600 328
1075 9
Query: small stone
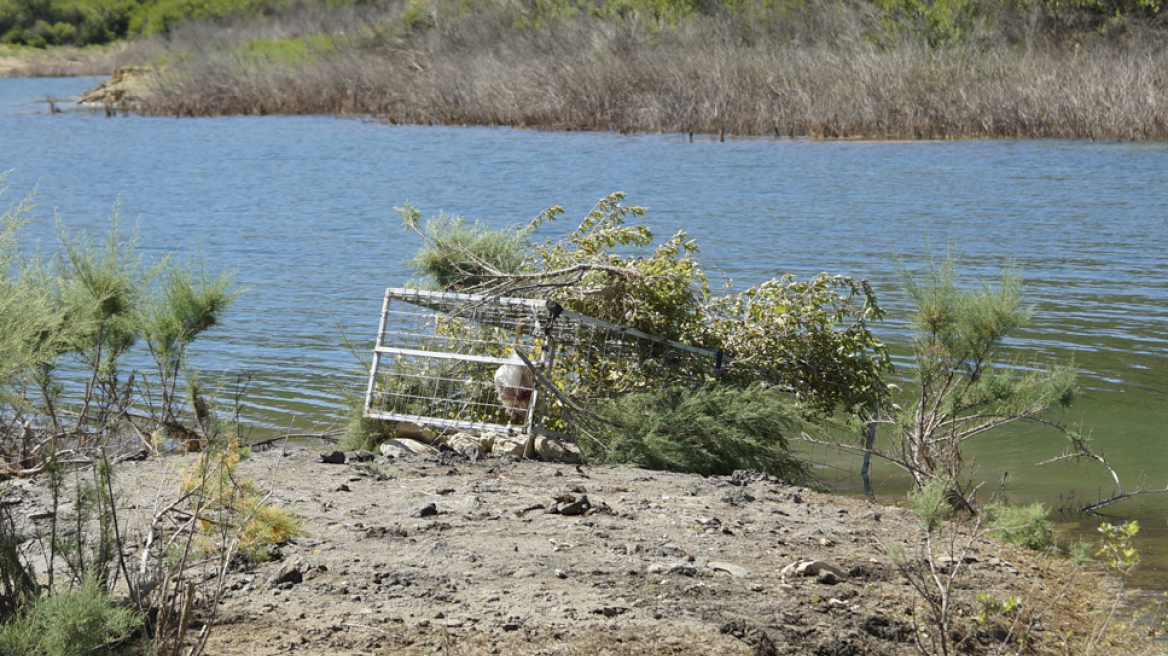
578 507
291 571
418 509
361 455
333 458
342 488
404 448
812 568
553 450
560 574
828 577
733 570
509 445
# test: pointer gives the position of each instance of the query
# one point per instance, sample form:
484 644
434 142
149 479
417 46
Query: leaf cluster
714 430
233 505
609 276
82 620
1026 526
1116 546
811 337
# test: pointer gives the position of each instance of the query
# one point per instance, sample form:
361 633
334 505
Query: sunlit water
303 208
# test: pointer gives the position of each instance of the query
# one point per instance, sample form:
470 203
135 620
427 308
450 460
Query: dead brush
711 75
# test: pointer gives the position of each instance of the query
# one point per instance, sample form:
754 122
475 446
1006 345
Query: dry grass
819 74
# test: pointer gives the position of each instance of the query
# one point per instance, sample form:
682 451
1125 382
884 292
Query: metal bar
549 363
407 294
443 423
443 355
376 355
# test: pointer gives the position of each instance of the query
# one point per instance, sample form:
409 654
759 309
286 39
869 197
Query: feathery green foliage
29 322
710 431
962 388
931 503
82 620
1026 526
101 286
461 256
183 305
364 433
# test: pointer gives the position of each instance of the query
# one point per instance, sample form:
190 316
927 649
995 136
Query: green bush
158 16
365 433
64 22
710 431
461 255
1026 526
931 503
82 620
293 52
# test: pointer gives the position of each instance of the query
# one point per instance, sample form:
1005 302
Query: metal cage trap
477 363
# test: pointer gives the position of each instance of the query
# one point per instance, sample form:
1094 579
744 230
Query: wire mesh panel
469 362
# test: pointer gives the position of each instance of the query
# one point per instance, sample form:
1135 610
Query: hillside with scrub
930 69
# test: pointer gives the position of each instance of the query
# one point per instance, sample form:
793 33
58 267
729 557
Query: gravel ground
504 556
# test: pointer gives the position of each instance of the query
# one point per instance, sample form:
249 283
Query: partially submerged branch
1082 450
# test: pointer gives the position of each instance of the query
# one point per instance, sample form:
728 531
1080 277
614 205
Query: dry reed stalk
702 77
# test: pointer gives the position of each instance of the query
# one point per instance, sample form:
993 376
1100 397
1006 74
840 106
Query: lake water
303 208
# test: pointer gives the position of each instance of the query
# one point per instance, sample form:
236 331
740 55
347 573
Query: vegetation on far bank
41 23
822 68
